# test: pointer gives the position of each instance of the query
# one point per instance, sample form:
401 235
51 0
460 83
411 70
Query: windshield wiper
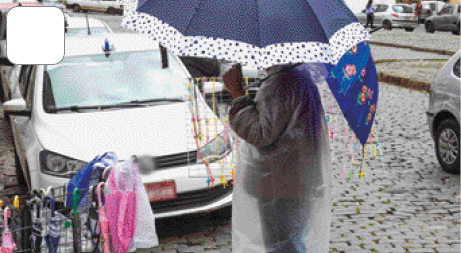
73 108
140 102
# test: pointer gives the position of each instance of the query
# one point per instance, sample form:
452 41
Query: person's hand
233 80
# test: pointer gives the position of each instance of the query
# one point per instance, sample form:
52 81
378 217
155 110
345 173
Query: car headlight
59 165
216 149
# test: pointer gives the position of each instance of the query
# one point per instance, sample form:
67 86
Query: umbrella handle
6 215
98 191
52 204
75 197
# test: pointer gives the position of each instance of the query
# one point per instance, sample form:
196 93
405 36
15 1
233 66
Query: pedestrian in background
281 198
370 13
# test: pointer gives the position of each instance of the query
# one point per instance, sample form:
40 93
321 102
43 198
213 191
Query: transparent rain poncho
281 197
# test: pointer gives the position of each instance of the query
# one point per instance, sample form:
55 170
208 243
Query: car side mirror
208 87
16 107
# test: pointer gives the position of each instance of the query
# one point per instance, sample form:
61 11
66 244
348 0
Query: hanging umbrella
76 223
265 33
8 244
32 237
52 237
103 222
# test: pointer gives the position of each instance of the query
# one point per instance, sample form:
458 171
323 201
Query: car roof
122 42
80 22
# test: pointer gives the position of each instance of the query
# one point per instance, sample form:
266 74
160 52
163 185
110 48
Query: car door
362 17
21 125
380 13
453 18
443 19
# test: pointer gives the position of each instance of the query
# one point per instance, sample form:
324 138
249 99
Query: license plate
161 191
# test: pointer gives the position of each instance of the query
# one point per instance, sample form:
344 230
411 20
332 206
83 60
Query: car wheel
224 213
409 29
430 27
447 145
76 8
457 30
387 25
111 11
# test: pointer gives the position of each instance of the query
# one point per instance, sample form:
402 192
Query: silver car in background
392 16
446 20
443 114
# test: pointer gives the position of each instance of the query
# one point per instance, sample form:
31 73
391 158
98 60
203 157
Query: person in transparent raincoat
281 197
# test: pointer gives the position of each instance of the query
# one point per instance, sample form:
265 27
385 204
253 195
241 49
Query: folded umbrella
103 222
76 223
52 237
8 244
33 238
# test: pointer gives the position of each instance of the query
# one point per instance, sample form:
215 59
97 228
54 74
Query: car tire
409 29
448 131
224 213
111 11
429 27
387 25
76 8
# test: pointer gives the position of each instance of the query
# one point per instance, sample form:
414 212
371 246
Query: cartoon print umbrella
261 34
8 244
52 237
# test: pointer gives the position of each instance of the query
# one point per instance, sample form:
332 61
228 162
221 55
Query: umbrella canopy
253 32
265 33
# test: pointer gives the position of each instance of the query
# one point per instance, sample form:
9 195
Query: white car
78 26
443 114
392 16
107 6
96 101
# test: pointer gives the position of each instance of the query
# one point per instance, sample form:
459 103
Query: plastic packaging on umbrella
120 204
8 244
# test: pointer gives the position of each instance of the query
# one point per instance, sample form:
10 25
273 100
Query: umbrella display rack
75 231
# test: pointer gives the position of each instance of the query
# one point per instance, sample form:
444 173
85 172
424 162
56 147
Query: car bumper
193 195
405 24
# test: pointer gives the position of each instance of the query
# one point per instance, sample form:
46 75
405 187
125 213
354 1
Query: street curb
407 60
428 50
404 82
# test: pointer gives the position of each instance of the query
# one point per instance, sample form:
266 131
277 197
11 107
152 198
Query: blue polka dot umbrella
263 33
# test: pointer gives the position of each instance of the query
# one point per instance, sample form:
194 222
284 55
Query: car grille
192 199
175 160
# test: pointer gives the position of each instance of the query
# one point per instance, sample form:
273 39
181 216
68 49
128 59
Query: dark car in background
446 20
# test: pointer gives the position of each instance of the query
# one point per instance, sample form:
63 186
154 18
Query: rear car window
381 8
456 68
402 9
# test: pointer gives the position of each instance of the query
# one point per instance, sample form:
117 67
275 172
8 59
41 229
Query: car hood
154 130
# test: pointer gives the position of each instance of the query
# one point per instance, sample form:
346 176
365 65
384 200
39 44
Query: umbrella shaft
77 234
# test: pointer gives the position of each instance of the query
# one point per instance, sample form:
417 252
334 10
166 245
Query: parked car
443 114
107 6
446 20
120 100
78 26
392 16
5 64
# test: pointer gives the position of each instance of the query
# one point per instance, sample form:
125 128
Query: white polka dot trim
261 58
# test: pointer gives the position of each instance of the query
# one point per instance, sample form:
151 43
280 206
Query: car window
30 87
381 8
402 9
446 10
121 77
456 68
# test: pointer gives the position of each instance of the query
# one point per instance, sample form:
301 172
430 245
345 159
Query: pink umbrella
103 222
8 244
120 207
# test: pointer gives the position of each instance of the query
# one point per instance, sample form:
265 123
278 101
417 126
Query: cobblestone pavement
418 38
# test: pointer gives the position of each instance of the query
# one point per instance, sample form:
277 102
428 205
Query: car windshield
402 9
97 80
84 31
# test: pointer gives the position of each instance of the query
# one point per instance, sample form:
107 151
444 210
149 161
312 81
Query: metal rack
68 229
